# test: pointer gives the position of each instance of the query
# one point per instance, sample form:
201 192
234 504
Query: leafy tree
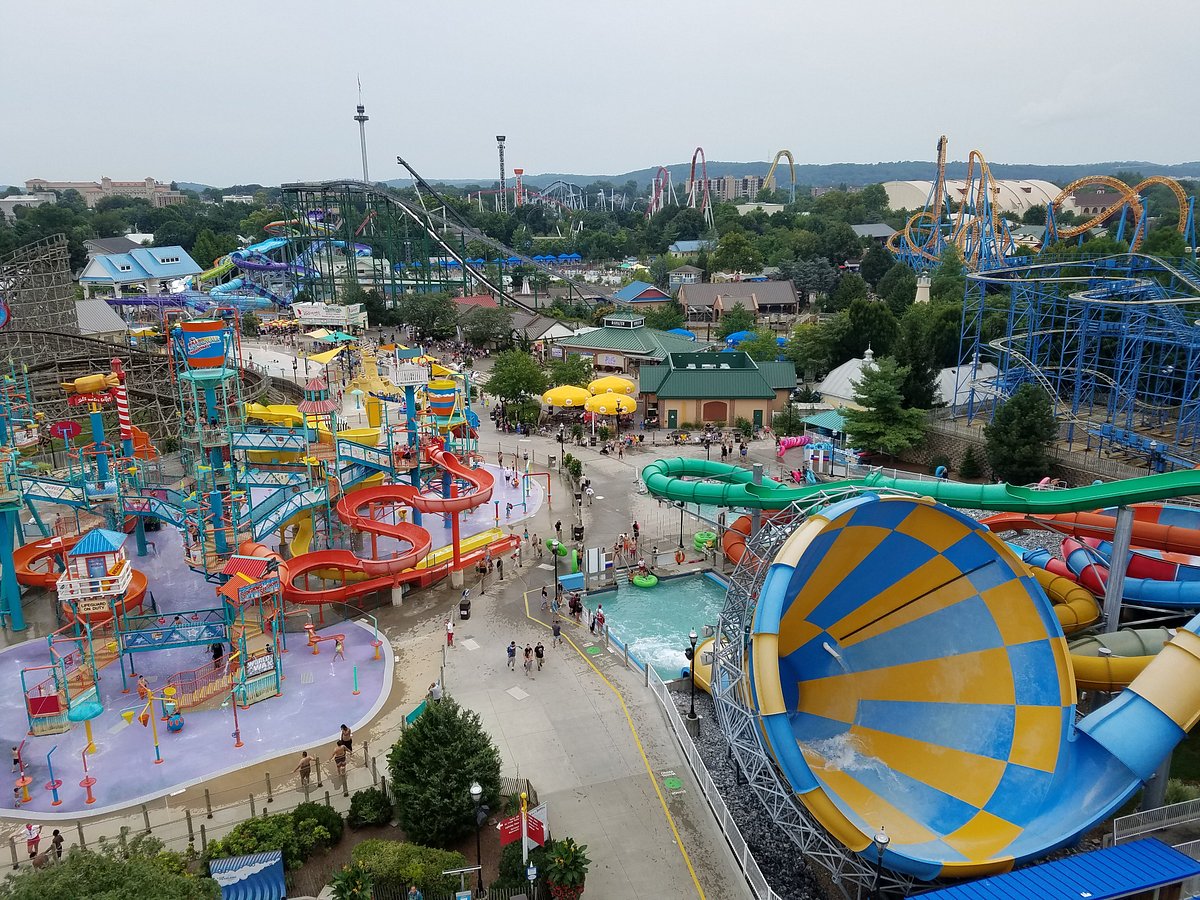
131 867
898 288
209 246
1166 242
735 253
665 317
850 287
489 325
874 199
949 280
788 422
430 317
913 353
1020 435
516 376
571 369
1035 215
762 347
810 348
735 319
883 424
876 263
970 466
432 767
869 323
660 268
840 243
250 324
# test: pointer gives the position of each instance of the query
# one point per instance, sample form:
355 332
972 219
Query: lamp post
692 638
881 841
295 370
707 449
555 545
476 797
562 445
680 524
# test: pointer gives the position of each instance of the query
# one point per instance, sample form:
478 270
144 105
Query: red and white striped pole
124 420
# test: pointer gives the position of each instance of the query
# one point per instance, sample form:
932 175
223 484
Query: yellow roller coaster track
769 183
1130 196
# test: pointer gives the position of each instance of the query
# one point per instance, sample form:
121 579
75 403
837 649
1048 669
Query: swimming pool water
655 621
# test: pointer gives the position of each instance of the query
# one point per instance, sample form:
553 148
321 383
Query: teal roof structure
644 342
830 419
98 540
714 376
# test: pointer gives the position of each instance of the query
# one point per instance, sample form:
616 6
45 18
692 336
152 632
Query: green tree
969 467
898 288
210 246
913 353
665 317
430 317
489 325
949 280
432 767
788 422
573 368
250 324
883 424
735 319
850 287
876 263
1020 435
869 323
131 867
516 376
1165 242
810 349
660 268
762 347
735 253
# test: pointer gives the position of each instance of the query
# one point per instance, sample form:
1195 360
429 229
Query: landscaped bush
352 883
432 767
970 466
512 869
604 432
744 427
369 806
392 864
307 829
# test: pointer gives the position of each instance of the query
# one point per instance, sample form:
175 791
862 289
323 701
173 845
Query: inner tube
644 581
704 540
680 556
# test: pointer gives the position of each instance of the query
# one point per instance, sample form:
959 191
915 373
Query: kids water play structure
886 660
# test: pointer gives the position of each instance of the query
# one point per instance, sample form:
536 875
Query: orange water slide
39 564
1146 534
733 541
350 510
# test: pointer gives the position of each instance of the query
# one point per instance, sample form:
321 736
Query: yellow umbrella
610 404
612 384
566 395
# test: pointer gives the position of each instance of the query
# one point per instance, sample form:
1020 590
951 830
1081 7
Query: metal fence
1151 820
1191 887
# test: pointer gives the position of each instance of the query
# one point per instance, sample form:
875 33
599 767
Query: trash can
551 462
577 532
464 608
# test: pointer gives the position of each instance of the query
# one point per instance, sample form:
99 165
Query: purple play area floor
317 698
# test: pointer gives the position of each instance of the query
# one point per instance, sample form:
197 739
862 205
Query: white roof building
1015 196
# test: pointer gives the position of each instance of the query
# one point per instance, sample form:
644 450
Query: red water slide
1146 532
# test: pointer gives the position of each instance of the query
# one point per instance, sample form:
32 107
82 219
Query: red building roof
486 301
251 566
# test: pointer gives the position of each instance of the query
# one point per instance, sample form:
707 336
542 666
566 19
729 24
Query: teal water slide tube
732 486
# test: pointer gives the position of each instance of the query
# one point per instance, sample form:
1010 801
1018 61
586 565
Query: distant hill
193 186
850 174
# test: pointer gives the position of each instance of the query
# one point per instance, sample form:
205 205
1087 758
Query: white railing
107 586
733 835
1151 820
1190 887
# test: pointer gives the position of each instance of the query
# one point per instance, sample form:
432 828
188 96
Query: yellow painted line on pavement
636 739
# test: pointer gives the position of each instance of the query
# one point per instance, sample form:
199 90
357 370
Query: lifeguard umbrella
612 384
737 337
566 395
610 404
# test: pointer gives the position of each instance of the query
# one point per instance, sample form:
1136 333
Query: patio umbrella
566 395
612 384
683 332
610 404
357 394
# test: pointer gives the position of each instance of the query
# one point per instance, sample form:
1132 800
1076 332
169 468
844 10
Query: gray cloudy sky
233 92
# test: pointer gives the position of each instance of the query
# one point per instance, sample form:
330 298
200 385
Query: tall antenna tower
503 185
362 118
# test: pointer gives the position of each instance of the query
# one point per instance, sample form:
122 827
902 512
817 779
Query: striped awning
255 877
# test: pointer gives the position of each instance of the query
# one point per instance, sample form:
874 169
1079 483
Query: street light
476 797
295 370
881 841
707 448
680 524
555 544
562 447
692 638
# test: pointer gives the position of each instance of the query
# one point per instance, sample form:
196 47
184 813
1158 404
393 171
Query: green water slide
721 484
223 267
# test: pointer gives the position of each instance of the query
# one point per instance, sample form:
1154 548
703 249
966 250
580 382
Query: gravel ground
782 866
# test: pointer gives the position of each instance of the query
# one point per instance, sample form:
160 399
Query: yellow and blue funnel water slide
905 670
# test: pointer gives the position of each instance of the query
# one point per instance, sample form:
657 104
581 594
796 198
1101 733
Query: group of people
32 835
532 652
341 757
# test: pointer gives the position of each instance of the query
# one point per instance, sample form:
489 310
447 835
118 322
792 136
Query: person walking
414 894
56 843
537 544
592 624
435 692
545 598
512 655
33 835
500 568
16 758
600 620
304 767
218 653
539 653
556 630
347 738
449 632
558 529
339 760
528 660
637 531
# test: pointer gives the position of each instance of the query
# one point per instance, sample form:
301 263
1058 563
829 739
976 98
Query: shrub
604 432
369 807
744 427
939 459
432 767
1178 791
576 469
259 836
396 865
512 869
577 432
352 883
970 467
330 819
566 869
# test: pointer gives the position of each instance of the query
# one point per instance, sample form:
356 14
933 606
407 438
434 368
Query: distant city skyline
253 95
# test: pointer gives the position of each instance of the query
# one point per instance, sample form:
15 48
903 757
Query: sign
462 895
531 873
351 315
556 352
92 606
66 429
84 399
410 375
267 587
260 665
608 359
203 343
510 830
535 830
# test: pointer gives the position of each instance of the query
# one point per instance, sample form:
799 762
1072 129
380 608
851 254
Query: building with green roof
624 343
719 388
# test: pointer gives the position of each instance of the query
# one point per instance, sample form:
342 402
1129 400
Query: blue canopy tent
539 258
513 261
255 877
781 341
737 337
574 257
563 257
683 332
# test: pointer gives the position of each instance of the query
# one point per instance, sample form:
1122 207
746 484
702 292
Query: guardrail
1149 821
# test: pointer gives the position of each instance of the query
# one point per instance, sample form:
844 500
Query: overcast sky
234 92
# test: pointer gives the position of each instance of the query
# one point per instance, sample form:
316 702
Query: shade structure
318 333
566 395
683 332
737 337
610 404
326 357
612 384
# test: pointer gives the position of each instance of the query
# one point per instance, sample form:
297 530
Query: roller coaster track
1130 198
929 247
660 192
1027 272
702 195
769 181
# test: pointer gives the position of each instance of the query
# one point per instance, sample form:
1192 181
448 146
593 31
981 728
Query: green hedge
309 828
393 864
370 806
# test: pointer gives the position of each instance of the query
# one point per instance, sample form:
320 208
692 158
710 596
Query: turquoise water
655 621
